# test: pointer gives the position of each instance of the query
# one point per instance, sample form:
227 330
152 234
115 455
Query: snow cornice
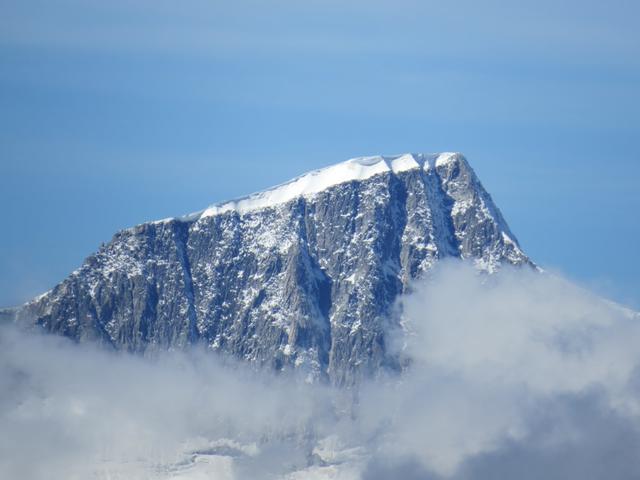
316 181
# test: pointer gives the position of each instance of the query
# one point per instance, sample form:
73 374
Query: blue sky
114 113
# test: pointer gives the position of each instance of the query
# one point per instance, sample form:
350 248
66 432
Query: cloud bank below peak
513 375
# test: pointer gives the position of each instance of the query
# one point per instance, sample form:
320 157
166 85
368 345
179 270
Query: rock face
300 276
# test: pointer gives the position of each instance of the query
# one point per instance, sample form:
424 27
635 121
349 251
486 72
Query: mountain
303 275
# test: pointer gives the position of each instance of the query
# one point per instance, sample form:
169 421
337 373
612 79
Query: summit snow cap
354 169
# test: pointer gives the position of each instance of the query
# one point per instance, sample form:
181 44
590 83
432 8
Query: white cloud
514 375
489 352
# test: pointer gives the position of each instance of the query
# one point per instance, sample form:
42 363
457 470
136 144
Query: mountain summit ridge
315 181
304 275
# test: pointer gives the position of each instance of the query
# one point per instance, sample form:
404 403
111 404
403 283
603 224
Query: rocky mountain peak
303 275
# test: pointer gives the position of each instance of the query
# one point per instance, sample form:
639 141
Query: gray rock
306 283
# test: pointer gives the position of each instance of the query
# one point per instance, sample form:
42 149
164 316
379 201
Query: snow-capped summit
311 183
303 275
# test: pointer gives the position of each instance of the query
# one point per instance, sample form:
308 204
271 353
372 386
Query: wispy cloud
514 375
515 364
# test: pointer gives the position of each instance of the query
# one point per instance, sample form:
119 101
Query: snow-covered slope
303 275
355 169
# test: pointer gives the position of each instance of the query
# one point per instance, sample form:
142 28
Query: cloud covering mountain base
514 375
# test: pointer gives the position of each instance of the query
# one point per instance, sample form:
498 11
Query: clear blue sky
117 112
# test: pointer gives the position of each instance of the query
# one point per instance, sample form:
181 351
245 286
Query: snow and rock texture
303 275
